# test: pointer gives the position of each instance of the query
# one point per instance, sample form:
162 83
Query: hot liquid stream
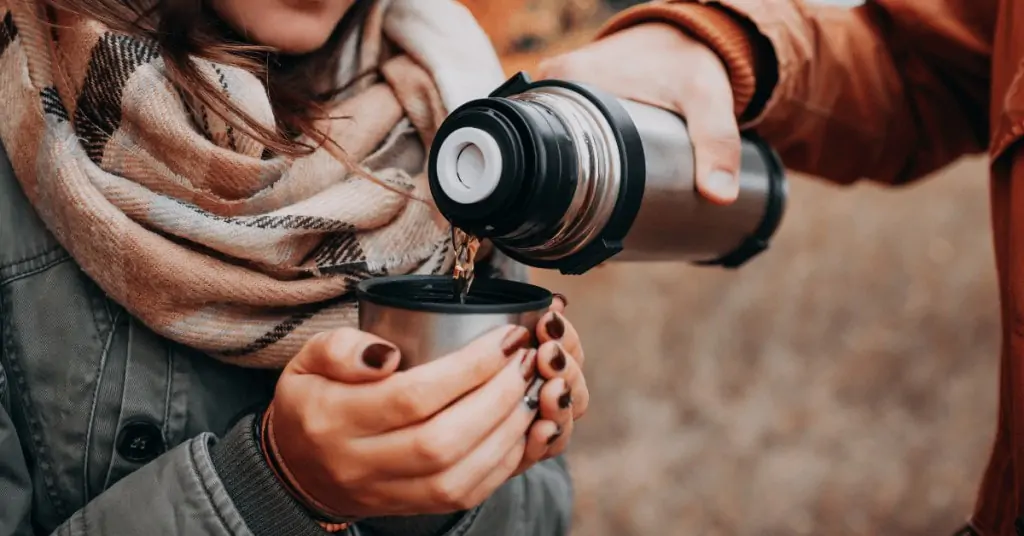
466 247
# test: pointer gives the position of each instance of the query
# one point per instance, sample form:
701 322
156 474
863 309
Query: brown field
842 384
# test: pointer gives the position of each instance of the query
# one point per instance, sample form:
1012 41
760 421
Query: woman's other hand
660 65
355 438
564 397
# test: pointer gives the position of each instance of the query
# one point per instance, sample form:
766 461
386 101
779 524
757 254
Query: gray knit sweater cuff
267 508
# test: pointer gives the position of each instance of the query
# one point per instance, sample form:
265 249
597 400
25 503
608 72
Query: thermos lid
507 170
469 165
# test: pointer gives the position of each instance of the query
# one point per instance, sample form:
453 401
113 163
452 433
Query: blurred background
844 383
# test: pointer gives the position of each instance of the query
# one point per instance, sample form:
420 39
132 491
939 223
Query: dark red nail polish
555 327
558 361
515 340
554 437
378 354
565 301
565 400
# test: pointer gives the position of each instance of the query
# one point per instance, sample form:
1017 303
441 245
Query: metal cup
424 318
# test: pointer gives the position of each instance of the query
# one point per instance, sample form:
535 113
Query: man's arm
891 90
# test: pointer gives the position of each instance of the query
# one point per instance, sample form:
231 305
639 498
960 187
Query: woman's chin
296 44
279 26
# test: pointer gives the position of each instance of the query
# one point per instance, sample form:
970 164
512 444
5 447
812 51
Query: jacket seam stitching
5 398
30 258
168 392
100 368
35 271
467 523
35 435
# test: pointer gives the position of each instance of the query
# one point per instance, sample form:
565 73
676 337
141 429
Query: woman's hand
564 397
660 65
355 438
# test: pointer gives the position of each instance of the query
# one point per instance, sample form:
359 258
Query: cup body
423 317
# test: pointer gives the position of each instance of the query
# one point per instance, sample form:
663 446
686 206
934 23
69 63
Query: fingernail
378 354
554 326
515 340
565 301
722 183
526 366
554 437
565 400
558 360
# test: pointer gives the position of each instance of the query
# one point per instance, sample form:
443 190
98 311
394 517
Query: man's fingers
697 88
440 442
414 395
347 355
707 104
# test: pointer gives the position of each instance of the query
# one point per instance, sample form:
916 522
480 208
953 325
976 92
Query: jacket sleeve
179 493
204 486
213 487
224 488
891 90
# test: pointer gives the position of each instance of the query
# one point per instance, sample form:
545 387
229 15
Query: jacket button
140 442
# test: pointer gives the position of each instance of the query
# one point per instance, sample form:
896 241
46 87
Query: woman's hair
298 86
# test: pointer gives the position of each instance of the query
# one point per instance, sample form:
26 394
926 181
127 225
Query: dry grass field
841 384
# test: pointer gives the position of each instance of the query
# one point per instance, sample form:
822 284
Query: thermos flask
425 318
564 176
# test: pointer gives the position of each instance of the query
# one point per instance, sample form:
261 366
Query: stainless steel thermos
565 176
424 317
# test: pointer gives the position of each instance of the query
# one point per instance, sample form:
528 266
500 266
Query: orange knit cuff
715 27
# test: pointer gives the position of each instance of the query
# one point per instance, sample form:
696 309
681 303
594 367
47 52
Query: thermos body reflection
674 223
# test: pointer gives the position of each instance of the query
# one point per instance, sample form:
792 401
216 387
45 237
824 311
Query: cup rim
392 291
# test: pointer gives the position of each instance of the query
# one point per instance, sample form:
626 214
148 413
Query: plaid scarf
186 222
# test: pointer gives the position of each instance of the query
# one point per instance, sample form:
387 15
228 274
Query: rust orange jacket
891 91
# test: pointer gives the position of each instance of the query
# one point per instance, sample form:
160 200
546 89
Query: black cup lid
436 294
